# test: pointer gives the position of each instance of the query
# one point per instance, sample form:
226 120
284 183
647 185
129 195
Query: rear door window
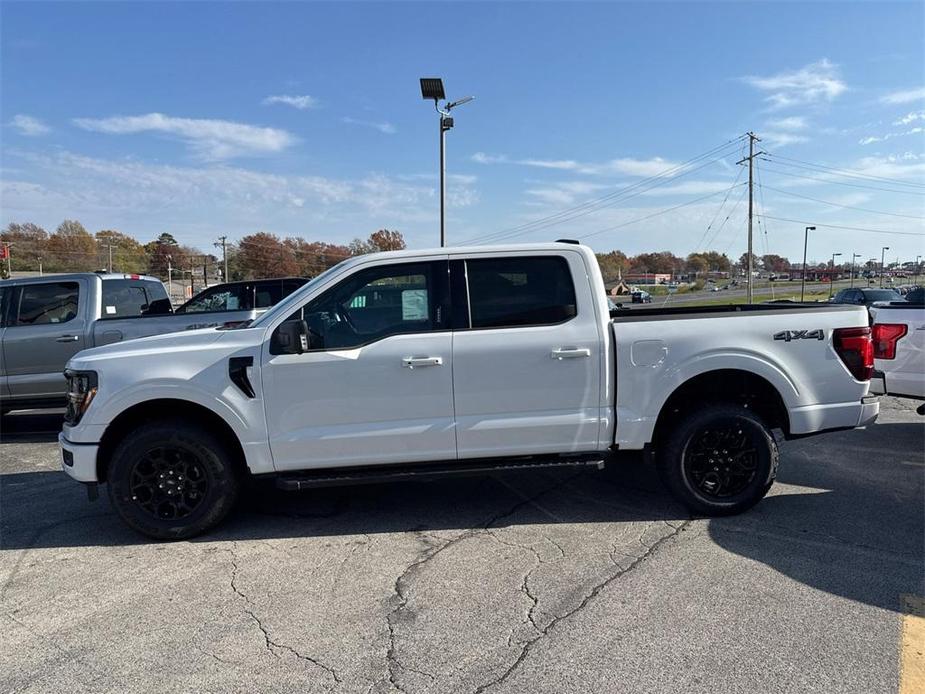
233 297
520 291
42 304
124 299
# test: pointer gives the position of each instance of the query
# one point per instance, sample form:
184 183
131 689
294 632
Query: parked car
865 296
424 363
641 297
899 349
250 295
44 321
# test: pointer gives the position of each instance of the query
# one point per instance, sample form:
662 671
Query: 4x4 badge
788 335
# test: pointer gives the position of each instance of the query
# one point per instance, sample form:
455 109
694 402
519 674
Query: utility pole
107 242
169 279
222 241
882 256
854 266
752 139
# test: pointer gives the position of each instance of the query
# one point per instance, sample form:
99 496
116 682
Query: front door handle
68 338
413 362
570 353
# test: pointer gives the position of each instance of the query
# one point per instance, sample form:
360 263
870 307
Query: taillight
856 350
886 335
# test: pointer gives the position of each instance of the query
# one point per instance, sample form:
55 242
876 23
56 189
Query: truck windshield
291 302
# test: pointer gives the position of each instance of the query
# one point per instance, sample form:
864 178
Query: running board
426 471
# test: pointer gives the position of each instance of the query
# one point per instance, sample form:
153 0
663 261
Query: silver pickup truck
44 321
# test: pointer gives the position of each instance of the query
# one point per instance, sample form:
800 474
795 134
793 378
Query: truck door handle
570 353
412 362
68 338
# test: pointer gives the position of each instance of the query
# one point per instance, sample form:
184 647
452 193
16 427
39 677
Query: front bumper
78 459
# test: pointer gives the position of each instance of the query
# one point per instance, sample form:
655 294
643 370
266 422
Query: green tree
127 254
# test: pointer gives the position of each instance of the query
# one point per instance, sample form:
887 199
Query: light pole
918 260
882 256
832 278
854 266
432 88
805 244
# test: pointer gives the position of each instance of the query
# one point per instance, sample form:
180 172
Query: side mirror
290 337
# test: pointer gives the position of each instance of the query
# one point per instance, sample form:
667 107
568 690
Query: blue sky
305 119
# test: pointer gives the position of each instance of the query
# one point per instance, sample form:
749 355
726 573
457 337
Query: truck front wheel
171 480
718 460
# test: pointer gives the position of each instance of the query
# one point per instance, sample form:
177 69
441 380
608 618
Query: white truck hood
148 350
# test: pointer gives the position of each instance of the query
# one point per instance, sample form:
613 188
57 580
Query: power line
840 226
655 214
731 213
847 207
718 211
588 206
842 183
846 173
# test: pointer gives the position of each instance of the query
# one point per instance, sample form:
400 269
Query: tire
719 460
171 480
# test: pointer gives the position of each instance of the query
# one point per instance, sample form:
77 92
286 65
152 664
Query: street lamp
432 88
805 244
918 262
882 256
854 266
832 278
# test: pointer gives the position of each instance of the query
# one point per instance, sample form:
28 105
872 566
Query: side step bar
427 471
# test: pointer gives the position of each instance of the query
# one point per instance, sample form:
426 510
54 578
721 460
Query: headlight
81 389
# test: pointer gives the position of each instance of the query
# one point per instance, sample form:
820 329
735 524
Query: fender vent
237 372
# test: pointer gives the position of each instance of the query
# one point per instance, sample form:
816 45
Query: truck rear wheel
719 460
171 480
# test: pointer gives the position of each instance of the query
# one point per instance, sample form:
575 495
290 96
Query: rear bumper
878 383
843 415
78 459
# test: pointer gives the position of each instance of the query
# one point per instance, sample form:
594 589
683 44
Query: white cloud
791 123
209 139
383 127
910 118
813 83
131 192
904 96
870 139
779 139
27 125
300 102
626 165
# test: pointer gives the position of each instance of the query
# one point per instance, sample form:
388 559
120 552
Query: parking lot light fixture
882 257
805 244
832 278
854 266
432 88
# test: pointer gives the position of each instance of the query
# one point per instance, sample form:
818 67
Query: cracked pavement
526 582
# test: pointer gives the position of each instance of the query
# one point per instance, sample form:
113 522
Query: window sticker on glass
110 310
232 303
414 304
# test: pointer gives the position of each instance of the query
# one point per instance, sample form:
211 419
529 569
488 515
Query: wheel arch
725 385
162 409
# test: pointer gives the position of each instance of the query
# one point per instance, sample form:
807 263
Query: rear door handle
68 338
570 353
413 362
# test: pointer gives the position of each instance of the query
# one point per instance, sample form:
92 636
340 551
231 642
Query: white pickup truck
899 349
455 360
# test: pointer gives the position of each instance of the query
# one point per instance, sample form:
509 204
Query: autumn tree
743 261
314 257
382 240
264 255
717 262
612 265
775 263
664 262
72 249
696 264
29 243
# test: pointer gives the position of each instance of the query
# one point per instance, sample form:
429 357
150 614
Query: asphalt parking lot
528 582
